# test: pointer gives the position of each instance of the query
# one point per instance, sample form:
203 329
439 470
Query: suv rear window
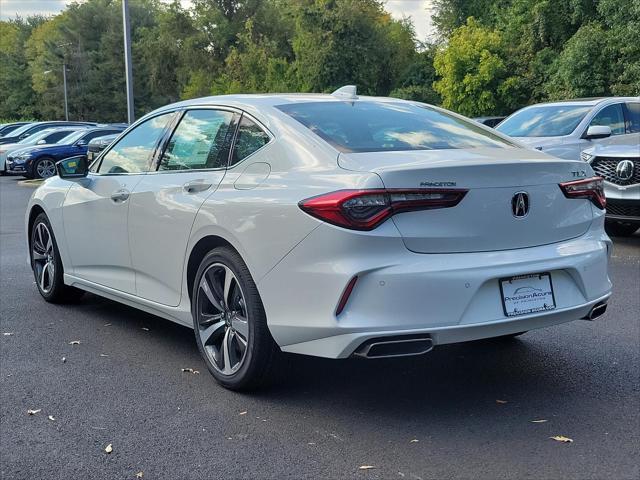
366 126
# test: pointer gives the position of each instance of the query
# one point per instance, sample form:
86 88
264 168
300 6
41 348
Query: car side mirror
73 167
598 131
41 142
81 143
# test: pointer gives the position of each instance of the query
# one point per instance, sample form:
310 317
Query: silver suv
619 164
564 129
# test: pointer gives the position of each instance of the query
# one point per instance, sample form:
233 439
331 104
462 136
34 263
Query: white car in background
45 137
564 129
328 225
619 165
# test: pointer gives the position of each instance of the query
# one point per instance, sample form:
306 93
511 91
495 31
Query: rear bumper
451 297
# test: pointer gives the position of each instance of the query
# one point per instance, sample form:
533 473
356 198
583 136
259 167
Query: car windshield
544 121
366 126
69 139
19 131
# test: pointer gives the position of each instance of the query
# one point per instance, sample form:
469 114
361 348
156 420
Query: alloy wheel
43 255
46 168
222 319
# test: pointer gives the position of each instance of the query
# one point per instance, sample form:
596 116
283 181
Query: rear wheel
621 229
47 265
43 168
230 323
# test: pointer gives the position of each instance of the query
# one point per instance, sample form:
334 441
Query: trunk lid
484 220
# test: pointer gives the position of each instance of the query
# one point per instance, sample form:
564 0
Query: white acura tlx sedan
328 225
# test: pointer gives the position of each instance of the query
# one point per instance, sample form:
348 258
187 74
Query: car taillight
366 209
589 188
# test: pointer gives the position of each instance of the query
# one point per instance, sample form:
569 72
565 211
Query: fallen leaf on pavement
74 342
140 474
109 448
52 418
562 438
366 467
501 402
539 421
415 440
190 370
33 412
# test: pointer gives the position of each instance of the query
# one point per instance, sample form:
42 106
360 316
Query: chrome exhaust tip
596 311
389 347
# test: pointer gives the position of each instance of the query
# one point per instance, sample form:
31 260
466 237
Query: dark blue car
40 161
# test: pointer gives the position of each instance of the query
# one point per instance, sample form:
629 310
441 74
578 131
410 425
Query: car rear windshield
544 121
367 126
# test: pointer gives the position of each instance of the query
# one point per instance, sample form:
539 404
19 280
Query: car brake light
366 209
589 188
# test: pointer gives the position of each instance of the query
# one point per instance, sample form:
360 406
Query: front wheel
43 168
230 322
47 265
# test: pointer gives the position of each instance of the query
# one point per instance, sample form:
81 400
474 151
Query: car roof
587 101
272 100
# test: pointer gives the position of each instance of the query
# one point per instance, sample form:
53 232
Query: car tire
621 229
44 167
46 264
230 323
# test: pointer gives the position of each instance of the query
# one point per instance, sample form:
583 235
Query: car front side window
201 140
132 154
610 116
633 114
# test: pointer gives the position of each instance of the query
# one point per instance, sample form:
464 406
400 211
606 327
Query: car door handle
120 196
196 186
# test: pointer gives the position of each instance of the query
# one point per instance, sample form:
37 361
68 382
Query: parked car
39 161
564 129
328 225
619 165
98 144
27 130
44 137
7 128
489 121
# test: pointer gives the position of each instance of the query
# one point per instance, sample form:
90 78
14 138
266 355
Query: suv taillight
589 188
366 209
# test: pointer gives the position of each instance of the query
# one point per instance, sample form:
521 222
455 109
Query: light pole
64 83
127 59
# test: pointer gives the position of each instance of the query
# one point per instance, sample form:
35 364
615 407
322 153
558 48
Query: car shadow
470 378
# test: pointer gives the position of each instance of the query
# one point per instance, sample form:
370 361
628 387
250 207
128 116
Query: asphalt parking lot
464 411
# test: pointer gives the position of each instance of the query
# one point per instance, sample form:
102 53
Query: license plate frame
535 291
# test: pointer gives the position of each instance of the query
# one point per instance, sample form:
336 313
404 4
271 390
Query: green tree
474 78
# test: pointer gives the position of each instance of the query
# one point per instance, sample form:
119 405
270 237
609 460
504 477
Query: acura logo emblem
520 204
624 170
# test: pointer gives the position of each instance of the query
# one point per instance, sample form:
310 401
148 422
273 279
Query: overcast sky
417 10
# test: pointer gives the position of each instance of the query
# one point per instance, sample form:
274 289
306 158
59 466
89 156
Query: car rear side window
201 140
133 152
250 139
366 126
610 116
633 112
